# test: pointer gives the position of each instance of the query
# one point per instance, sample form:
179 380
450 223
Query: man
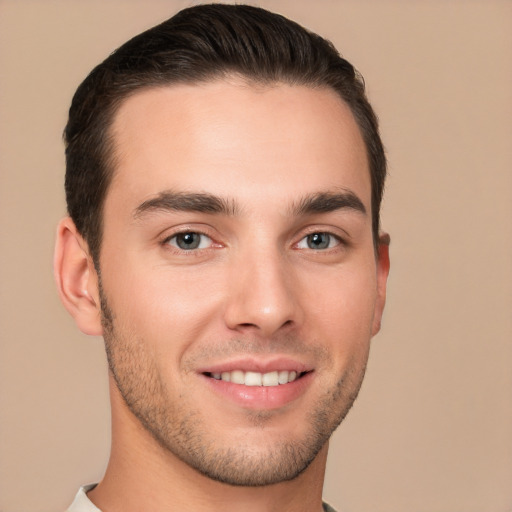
224 179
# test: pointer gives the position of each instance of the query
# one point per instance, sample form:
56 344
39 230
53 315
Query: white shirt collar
82 503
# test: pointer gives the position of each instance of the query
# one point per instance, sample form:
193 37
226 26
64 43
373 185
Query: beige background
432 429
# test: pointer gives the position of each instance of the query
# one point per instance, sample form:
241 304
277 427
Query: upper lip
257 365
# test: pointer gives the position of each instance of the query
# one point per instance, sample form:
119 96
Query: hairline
109 150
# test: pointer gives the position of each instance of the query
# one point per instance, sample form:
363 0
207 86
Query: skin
257 292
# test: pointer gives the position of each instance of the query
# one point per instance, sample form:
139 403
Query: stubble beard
184 432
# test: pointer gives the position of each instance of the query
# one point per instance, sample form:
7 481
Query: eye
319 241
189 241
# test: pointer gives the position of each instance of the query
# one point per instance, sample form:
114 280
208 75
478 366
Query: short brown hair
200 44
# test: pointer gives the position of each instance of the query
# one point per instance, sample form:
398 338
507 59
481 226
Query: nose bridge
262 296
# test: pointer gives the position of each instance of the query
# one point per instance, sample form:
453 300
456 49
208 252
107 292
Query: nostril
248 325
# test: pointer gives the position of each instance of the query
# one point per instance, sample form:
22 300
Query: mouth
250 378
259 384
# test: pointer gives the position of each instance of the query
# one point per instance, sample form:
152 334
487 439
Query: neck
141 475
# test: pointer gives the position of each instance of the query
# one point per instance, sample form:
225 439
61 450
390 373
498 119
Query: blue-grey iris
318 241
188 241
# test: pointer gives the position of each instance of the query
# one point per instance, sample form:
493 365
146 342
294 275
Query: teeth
283 377
257 379
270 379
237 376
252 379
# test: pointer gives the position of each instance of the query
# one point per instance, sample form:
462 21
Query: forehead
233 138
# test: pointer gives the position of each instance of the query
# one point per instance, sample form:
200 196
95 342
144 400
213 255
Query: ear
382 279
76 278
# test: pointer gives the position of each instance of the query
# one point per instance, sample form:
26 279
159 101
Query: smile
269 379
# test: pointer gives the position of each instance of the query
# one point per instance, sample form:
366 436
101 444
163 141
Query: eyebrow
325 202
188 202
321 202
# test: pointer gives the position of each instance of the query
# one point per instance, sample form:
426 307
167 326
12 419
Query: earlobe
382 278
76 278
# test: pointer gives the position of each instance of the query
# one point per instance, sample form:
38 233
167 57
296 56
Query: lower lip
261 397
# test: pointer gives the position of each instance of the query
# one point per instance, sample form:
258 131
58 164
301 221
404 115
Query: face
240 286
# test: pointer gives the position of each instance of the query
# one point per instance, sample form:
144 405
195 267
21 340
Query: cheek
343 312
342 321
169 308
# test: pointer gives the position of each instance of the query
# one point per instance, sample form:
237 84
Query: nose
263 296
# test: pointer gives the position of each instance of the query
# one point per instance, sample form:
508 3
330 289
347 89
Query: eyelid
335 231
